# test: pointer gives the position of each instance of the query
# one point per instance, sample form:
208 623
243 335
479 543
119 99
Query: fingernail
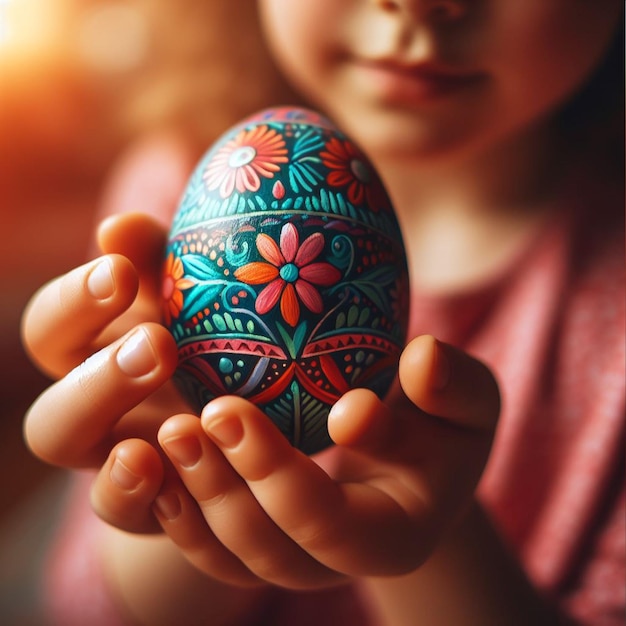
136 356
100 282
441 368
168 505
186 450
227 432
123 477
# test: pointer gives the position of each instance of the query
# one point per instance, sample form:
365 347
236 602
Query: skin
527 56
225 490
470 173
396 482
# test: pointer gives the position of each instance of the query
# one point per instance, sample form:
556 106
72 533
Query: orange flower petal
289 307
256 273
339 178
184 283
169 264
177 270
269 250
177 300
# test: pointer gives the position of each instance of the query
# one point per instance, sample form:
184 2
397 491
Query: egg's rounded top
287 159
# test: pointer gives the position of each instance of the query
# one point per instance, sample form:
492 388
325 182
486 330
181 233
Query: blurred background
81 83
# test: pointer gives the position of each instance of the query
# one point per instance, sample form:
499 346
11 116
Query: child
475 114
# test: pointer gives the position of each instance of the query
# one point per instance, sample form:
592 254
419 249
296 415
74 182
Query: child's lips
416 83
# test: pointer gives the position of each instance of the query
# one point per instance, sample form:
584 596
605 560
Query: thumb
448 383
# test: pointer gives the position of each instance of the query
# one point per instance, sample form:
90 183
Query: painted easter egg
285 277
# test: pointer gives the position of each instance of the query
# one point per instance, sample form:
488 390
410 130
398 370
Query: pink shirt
552 329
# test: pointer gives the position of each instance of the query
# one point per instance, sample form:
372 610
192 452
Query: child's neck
464 222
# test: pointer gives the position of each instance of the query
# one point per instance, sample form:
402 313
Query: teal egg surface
285 278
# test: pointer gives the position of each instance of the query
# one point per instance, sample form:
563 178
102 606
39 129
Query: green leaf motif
201 297
230 322
299 337
200 268
374 293
219 322
303 175
363 316
353 314
287 338
383 275
309 142
340 321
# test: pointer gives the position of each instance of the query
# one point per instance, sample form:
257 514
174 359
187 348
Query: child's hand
94 329
250 508
255 509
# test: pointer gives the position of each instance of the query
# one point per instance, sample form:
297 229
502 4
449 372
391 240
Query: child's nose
436 10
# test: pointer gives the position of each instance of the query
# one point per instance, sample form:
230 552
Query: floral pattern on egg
285 277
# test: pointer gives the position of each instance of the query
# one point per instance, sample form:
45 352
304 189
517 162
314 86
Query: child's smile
414 85
407 81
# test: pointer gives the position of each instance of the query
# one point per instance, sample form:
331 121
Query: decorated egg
285 278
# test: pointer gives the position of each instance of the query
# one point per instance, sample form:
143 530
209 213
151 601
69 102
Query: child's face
407 78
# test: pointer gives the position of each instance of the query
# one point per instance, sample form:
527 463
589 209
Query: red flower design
172 287
241 162
289 274
350 169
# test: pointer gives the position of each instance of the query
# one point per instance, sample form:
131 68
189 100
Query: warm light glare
4 21
105 37
27 28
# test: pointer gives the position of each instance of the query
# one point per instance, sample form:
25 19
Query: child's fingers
403 446
181 519
337 524
70 423
140 238
64 317
448 383
232 511
436 437
440 387
127 484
